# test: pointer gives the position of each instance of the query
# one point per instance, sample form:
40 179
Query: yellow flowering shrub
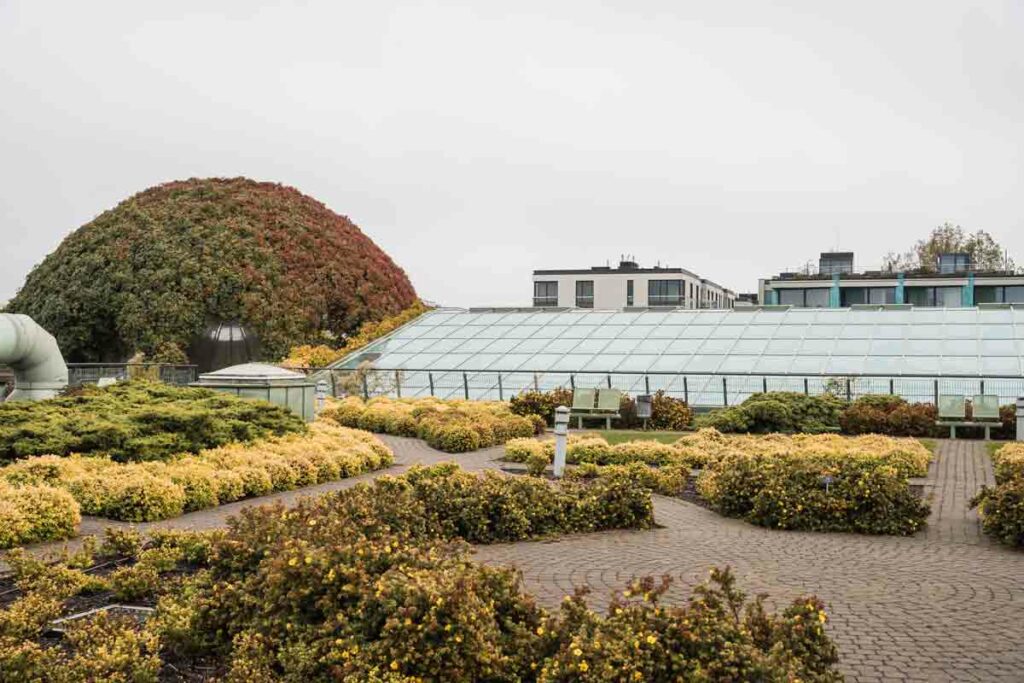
453 426
1001 508
142 492
594 449
36 513
821 482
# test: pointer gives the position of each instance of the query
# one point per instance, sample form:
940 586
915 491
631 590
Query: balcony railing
545 301
584 301
664 300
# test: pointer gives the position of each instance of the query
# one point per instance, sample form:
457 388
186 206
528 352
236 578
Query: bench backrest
583 399
952 408
985 407
609 399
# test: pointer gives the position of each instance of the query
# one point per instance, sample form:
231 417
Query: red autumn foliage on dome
161 264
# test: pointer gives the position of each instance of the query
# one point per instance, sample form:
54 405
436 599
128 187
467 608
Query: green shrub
137 421
1002 508
669 413
778 411
537 463
541 403
788 491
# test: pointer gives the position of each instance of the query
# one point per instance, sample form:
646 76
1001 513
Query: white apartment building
627 286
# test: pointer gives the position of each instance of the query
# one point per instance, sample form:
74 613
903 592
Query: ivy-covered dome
151 273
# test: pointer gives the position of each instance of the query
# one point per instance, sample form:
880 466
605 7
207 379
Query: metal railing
90 373
701 390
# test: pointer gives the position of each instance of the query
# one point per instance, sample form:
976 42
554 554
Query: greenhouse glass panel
958 347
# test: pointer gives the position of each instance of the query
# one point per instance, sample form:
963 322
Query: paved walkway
944 605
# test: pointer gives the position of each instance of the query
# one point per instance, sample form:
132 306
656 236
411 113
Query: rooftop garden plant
137 421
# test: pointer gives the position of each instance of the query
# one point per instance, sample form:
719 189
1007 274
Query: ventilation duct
33 354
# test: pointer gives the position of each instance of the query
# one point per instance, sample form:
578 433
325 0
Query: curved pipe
33 354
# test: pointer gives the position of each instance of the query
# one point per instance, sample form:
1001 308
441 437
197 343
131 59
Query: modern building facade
952 283
628 286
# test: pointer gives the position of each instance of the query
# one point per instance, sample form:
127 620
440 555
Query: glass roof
919 341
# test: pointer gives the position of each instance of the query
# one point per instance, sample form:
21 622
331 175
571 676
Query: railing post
764 384
465 385
430 378
936 393
609 381
398 383
892 387
686 390
501 392
536 384
572 382
366 387
725 392
334 385
807 387
849 390
982 387
647 385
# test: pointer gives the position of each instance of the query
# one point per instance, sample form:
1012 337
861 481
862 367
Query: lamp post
561 431
321 395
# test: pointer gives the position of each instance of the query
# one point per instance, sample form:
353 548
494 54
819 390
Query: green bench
595 403
953 413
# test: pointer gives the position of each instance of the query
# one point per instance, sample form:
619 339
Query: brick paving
944 605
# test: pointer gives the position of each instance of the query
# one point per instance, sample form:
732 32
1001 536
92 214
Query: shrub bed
667 412
137 421
1002 507
36 513
143 492
450 426
778 411
819 483
593 449
374 584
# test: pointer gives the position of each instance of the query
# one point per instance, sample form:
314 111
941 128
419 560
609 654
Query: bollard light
561 431
1020 419
321 395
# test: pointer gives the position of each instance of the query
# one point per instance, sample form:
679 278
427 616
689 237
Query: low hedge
450 426
868 492
1002 507
667 412
143 492
137 421
778 411
594 449
883 414
29 514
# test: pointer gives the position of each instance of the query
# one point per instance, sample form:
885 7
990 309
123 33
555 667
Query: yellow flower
458 639
540 630
822 617
394 665
651 640
292 562
578 652
308 559
637 676
584 666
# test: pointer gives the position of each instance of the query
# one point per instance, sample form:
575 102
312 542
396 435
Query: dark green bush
541 403
136 421
778 411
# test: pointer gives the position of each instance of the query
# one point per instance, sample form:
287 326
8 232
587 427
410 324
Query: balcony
664 300
545 301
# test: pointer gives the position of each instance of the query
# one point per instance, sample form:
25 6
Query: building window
954 263
629 292
998 295
584 294
545 293
816 297
664 292
851 296
942 297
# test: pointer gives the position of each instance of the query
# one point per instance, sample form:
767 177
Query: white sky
477 141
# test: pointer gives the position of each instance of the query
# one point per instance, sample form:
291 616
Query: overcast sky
478 141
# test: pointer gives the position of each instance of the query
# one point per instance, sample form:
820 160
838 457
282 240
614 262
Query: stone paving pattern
944 605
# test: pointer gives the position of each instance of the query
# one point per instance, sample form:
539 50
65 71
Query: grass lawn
614 436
